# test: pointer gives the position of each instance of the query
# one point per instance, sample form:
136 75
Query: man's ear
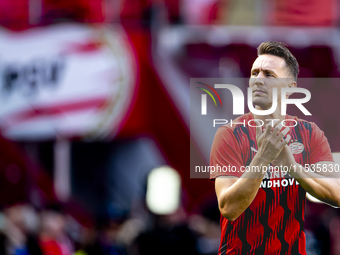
292 84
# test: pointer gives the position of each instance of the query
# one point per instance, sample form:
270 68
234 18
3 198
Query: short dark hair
279 49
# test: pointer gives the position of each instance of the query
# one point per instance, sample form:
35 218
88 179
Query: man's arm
323 182
321 186
235 195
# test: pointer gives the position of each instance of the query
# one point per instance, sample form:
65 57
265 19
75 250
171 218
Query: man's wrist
261 160
296 169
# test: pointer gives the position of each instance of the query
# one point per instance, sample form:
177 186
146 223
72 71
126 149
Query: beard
263 102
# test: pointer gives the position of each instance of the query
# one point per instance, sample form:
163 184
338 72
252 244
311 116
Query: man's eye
269 75
254 73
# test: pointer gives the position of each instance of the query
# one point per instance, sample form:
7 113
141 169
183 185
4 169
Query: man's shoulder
309 128
236 130
309 125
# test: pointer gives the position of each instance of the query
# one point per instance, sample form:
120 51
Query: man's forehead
270 62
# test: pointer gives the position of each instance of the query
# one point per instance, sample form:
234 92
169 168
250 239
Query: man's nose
261 75
259 80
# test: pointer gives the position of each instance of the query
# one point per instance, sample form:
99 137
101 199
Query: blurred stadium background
94 118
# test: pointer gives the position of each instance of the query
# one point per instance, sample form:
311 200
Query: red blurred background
95 180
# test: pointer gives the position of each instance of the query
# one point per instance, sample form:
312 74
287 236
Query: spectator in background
170 234
108 238
53 237
17 238
103 239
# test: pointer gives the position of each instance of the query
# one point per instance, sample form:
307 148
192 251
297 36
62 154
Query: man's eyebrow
268 70
264 70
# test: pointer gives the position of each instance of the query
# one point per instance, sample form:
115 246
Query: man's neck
268 118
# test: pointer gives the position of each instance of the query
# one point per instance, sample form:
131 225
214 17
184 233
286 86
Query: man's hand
285 157
270 143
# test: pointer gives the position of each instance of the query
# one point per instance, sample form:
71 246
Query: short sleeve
226 155
319 146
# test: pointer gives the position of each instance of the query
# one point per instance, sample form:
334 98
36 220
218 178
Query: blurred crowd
21 14
25 230
50 231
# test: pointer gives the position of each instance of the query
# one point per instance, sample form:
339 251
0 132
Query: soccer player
262 212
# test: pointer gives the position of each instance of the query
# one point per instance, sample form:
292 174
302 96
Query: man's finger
258 129
282 134
271 125
286 141
276 122
285 131
277 129
268 129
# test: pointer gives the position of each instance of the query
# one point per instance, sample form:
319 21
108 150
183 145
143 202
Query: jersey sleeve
226 155
319 147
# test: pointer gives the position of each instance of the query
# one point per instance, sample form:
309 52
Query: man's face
265 74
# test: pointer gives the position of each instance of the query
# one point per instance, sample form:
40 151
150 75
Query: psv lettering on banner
71 80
